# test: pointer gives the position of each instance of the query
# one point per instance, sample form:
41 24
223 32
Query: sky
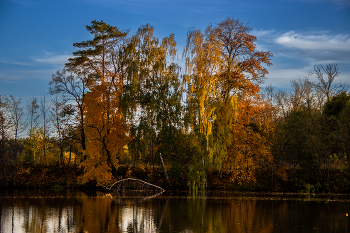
37 36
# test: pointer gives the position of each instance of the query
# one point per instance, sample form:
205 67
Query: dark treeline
122 108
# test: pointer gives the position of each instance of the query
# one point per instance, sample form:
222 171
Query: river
94 212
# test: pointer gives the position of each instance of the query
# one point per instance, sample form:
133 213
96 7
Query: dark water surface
73 211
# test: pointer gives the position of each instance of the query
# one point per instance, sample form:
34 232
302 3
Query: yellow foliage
282 173
23 171
67 154
95 169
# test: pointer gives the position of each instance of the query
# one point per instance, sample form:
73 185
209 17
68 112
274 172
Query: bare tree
326 85
61 115
57 120
32 108
44 109
282 100
268 93
16 115
73 88
302 93
4 134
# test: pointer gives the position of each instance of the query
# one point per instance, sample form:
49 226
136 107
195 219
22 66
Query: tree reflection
98 212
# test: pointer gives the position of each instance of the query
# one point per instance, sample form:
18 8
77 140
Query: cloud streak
14 62
14 76
53 59
314 42
342 3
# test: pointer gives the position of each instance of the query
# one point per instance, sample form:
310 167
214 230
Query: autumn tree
243 70
203 63
105 127
252 136
223 67
243 66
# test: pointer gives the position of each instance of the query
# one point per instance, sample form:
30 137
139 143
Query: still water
73 211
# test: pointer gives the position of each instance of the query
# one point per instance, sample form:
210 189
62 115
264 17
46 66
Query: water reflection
24 211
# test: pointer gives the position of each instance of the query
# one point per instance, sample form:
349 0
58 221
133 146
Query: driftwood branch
136 180
166 173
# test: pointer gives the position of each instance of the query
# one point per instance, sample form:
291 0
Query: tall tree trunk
4 172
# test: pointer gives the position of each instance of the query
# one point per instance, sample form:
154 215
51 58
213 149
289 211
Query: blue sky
37 36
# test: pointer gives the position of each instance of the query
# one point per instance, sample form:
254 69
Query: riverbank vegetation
123 108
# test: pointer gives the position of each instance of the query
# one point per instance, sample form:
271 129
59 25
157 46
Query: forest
122 107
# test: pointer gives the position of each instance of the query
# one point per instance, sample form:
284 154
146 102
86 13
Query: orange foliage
243 65
106 132
251 141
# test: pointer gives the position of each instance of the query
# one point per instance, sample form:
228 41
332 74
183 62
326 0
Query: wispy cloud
4 61
47 59
13 76
31 68
295 53
314 42
342 3
25 3
52 59
281 77
262 33
318 47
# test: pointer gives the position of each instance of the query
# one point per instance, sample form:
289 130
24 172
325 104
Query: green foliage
302 144
151 98
88 59
336 104
308 188
37 146
342 133
196 177
312 143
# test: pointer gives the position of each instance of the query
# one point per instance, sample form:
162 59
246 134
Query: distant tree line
121 100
